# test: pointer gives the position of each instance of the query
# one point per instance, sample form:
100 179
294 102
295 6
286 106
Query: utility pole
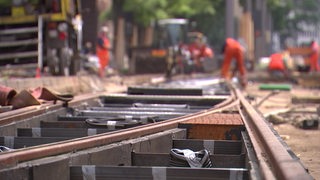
262 26
90 18
229 18
119 40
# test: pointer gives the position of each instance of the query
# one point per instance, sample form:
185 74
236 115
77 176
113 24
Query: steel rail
274 159
30 111
8 159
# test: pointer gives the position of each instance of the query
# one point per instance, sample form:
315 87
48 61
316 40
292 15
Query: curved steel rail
10 158
274 158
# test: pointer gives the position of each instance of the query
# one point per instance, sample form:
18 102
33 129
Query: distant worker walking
102 50
233 49
314 56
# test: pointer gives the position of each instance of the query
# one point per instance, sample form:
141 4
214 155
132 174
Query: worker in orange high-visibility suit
102 50
233 49
314 57
277 65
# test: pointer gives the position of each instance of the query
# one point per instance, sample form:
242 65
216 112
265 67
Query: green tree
208 14
145 12
212 24
305 13
292 16
280 10
190 8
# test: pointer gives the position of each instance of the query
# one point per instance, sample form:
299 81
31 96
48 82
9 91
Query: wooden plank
305 99
212 131
217 126
217 119
302 51
133 172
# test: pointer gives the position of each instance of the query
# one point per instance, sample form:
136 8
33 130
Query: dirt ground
305 143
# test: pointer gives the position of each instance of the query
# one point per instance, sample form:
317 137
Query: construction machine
161 55
201 53
46 33
173 50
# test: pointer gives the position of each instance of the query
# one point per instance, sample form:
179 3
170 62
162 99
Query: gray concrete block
52 168
21 173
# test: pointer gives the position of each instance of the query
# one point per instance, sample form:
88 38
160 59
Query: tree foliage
145 12
208 15
291 15
280 10
189 8
213 24
305 13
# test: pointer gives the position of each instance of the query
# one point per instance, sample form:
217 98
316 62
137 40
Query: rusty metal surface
275 160
218 119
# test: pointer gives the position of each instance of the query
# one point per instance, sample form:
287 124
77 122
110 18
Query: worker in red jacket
233 49
199 50
314 56
102 50
277 65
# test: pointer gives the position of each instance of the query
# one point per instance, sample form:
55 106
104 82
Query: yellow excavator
46 33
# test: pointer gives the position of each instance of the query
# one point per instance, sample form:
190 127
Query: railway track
191 130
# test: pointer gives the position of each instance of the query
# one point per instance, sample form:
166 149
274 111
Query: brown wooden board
213 132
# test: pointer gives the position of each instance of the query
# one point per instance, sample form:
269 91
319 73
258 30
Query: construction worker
233 49
207 52
314 55
102 50
200 50
277 65
195 51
